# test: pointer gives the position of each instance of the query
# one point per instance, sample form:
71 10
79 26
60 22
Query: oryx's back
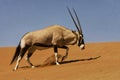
50 35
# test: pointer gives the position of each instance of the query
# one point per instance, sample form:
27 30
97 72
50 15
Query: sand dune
99 61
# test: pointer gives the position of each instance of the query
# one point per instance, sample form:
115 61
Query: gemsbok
55 37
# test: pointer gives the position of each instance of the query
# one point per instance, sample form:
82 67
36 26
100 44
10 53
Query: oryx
55 37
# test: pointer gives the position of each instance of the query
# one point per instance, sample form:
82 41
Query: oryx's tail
17 52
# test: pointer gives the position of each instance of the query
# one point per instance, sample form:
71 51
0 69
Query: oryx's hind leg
66 55
22 52
29 54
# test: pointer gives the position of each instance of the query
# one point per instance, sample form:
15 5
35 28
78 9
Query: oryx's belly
41 48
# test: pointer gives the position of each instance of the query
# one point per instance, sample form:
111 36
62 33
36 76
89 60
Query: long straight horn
80 28
73 19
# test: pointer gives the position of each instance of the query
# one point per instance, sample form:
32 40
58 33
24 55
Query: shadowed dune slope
99 61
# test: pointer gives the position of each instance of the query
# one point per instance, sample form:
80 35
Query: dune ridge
99 61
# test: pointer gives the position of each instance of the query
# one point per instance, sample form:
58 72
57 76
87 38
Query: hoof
57 63
33 66
14 69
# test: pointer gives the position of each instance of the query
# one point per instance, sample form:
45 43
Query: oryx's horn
73 20
80 28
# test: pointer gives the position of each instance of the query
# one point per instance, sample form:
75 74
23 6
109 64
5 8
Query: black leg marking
22 52
55 49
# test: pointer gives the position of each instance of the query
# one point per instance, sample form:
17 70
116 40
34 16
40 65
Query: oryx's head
80 41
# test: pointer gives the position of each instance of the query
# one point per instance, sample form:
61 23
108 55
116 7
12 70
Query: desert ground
99 61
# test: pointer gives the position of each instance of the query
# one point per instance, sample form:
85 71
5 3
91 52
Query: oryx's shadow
64 62
77 60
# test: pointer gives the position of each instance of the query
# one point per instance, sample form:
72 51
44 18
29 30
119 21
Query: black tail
17 52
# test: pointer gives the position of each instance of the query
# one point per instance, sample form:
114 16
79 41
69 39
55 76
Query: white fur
18 61
82 46
33 66
56 58
22 43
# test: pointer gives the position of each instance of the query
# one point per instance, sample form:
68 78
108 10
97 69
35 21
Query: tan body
52 35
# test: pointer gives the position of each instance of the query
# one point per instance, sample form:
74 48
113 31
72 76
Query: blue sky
100 19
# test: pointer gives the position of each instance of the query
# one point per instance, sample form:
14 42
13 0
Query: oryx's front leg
56 55
65 56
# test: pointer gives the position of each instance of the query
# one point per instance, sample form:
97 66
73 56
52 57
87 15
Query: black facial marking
81 41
